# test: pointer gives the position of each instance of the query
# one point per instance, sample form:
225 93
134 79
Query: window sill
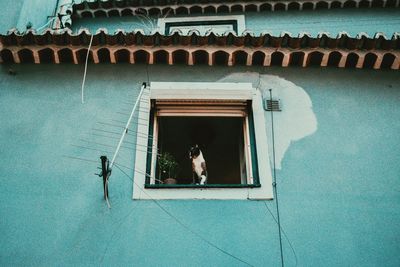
164 186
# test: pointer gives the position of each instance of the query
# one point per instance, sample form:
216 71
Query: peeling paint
296 120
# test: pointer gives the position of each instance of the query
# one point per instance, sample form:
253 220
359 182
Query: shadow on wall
296 120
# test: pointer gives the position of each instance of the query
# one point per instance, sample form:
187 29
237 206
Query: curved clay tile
285 38
230 32
27 39
334 59
176 31
180 56
44 38
46 55
240 57
258 58
387 61
369 60
220 58
26 56
100 37
123 56
7 56
65 55
314 59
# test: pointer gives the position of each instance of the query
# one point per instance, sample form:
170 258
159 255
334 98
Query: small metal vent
272 105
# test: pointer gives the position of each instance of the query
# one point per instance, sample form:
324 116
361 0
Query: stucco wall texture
353 21
339 187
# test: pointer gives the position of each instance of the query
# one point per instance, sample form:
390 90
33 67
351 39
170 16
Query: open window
222 129
226 120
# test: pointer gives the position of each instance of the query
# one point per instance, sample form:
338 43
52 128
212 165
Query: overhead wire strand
283 232
84 73
274 182
183 224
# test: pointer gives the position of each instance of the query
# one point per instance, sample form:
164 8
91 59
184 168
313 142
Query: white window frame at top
209 91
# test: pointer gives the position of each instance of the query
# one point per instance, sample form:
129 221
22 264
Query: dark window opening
219 139
222 130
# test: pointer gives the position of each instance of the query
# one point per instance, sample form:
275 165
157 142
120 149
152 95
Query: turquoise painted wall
18 13
339 188
353 21
9 15
333 21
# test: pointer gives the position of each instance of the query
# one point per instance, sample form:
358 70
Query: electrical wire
283 232
47 23
183 224
84 74
274 182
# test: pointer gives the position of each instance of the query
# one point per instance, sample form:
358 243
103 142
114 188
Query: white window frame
240 19
209 91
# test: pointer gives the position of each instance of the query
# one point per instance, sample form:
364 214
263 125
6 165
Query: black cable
147 72
274 182
182 224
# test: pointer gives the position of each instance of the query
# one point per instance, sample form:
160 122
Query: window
226 120
204 25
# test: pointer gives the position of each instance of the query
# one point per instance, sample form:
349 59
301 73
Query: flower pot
170 181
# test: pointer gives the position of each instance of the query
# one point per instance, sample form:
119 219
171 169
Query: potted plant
168 168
